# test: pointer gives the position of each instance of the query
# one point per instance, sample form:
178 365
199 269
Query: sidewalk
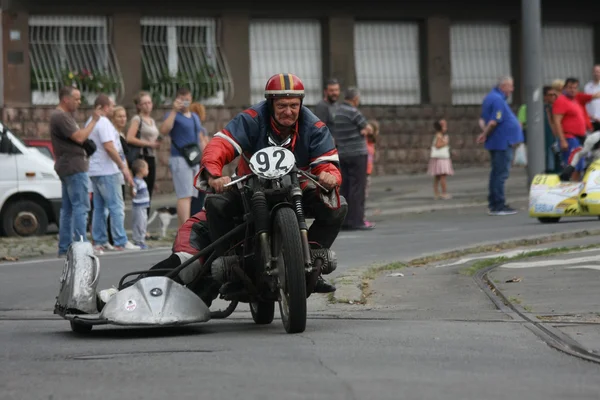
389 195
553 291
401 194
561 291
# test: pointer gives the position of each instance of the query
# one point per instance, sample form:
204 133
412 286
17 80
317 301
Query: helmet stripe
291 81
286 79
288 92
282 81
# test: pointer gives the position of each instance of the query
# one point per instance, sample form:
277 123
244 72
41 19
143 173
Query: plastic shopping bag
520 158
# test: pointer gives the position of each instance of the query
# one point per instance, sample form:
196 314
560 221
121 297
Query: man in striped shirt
350 130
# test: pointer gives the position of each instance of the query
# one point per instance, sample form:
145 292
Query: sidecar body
151 301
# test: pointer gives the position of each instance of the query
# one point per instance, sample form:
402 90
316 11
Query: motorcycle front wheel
287 244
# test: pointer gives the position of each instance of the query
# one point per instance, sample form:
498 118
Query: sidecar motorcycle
550 199
273 262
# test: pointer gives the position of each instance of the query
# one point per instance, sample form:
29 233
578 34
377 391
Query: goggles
286 143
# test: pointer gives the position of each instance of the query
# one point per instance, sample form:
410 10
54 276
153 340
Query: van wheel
25 218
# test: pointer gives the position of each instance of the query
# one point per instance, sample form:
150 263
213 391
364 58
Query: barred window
66 50
480 54
286 47
387 62
180 52
568 51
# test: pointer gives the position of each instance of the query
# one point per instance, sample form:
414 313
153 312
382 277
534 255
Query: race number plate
272 162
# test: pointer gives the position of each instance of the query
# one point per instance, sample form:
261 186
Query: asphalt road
346 352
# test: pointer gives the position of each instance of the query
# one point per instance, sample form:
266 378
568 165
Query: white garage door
568 52
286 47
387 62
480 54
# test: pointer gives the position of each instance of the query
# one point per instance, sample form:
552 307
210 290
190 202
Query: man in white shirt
106 168
593 107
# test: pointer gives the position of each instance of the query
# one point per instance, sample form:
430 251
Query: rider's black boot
323 286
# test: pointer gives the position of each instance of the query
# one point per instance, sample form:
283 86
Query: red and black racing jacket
312 144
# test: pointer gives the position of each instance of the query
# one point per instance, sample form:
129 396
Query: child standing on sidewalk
371 139
440 164
140 202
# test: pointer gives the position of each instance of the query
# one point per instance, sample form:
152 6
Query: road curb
353 286
545 331
431 209
29 248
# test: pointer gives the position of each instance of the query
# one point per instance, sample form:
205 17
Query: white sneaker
108 246
127 246
131 246
98 250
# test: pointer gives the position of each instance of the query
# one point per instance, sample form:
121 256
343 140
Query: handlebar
312 177
309 175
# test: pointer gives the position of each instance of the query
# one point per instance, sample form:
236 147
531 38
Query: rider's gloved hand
327 180
218 184
565 176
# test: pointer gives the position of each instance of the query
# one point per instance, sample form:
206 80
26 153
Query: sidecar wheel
549 220
78 327
263 312
292 277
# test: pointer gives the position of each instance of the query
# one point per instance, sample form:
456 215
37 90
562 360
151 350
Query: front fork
297 201
312 271
262 224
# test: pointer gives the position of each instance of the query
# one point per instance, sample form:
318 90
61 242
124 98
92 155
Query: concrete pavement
560 291
440 338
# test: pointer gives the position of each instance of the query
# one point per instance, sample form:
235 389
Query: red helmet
284 85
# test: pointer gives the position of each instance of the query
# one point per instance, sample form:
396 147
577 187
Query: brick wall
405 135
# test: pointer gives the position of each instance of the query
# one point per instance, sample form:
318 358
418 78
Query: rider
280 120
591 147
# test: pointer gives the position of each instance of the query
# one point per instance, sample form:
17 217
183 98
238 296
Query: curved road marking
511 253
550 263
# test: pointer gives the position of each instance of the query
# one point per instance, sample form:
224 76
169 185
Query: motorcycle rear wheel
287 243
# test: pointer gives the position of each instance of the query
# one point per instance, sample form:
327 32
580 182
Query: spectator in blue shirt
501 132
185 130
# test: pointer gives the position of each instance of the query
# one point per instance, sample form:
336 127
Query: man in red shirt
571 121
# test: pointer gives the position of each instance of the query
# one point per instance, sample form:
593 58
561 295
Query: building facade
412 60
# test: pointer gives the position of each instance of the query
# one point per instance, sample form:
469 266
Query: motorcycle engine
327 257
222 269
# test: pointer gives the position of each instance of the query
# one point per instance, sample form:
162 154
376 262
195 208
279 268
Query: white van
30 189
